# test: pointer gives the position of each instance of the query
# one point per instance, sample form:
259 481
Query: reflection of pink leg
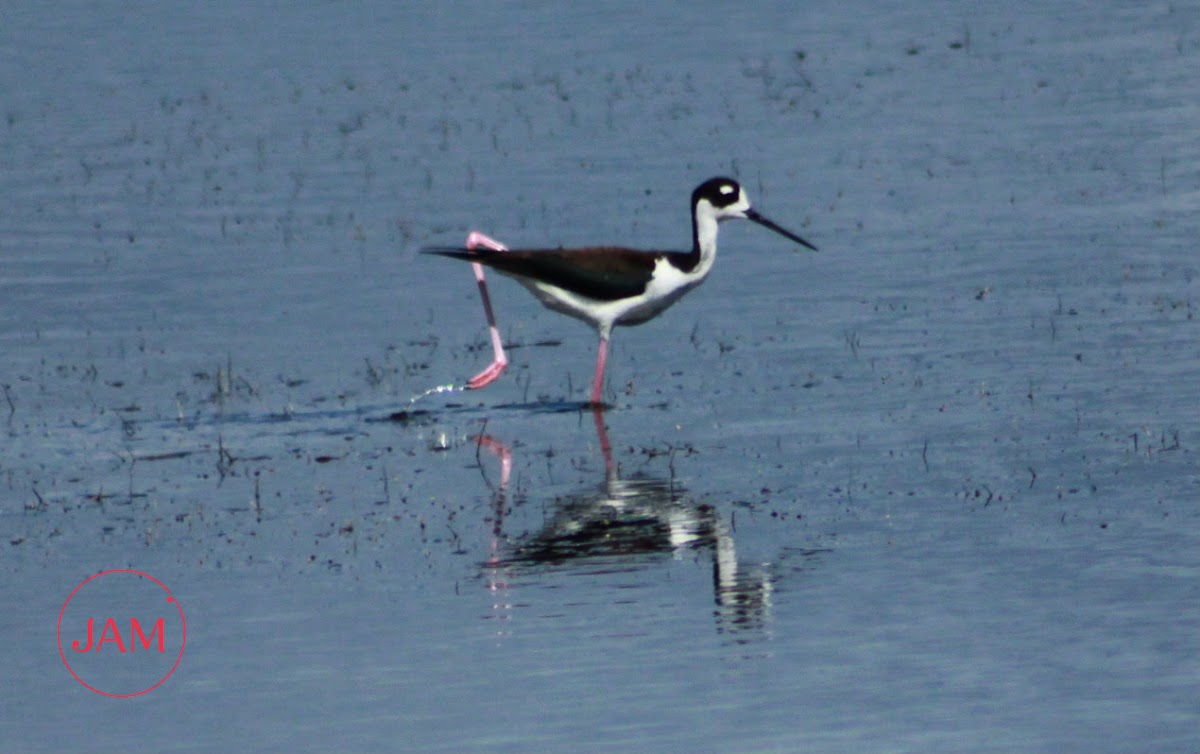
598 381
502 452
499 361
497 576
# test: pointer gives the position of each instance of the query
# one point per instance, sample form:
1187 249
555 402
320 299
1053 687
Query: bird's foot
489 375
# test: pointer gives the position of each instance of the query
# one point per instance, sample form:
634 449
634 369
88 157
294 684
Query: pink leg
499 361
605 447
598 382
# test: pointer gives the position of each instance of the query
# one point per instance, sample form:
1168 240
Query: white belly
668 286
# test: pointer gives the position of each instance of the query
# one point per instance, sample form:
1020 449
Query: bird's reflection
621 524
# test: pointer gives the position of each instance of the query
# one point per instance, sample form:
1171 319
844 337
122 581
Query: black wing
601 274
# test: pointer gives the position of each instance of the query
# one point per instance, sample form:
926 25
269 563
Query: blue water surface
932 488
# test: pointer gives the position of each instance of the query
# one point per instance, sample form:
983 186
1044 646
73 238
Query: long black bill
752 215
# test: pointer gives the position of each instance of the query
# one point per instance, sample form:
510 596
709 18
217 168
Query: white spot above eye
726 189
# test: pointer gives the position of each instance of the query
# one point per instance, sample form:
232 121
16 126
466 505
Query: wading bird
607 286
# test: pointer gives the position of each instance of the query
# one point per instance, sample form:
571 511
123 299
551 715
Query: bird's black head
720 192
719 199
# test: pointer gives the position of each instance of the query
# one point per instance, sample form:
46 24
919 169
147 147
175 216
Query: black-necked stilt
607 286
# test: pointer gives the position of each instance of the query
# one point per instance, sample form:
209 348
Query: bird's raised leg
499 361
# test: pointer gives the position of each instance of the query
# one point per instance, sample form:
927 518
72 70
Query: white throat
706 235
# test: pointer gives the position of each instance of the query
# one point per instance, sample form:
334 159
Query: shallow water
931 488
